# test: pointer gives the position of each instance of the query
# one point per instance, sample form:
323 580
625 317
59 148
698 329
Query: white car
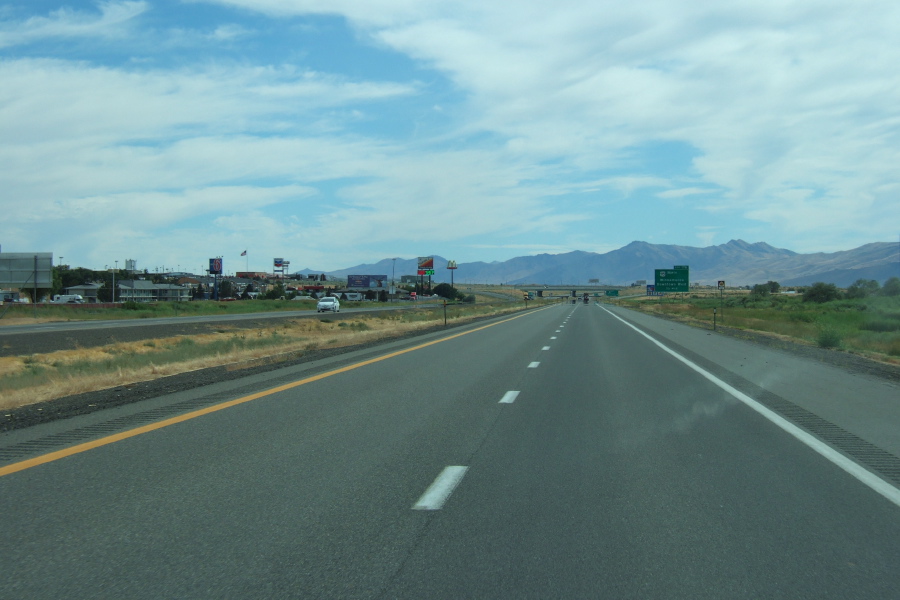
67 299
329 303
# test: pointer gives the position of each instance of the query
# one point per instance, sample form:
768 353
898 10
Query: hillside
737 262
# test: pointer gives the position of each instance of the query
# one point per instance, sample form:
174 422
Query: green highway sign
612 292
673 280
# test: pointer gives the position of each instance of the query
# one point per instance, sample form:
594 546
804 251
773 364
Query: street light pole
393 289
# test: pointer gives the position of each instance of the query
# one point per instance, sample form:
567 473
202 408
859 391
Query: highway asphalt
576 451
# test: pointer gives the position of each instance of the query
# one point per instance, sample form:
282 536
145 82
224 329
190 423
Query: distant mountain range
737 262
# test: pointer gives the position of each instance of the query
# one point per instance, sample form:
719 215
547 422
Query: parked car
329 303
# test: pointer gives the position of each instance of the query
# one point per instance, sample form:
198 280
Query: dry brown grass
37 378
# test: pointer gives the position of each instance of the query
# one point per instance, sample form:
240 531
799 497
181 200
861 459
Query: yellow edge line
117 437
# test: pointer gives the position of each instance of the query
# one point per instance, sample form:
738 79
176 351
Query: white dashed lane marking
509 397
438 492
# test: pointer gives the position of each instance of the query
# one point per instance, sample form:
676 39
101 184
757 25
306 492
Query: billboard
367 281
426 262
215 266
26 270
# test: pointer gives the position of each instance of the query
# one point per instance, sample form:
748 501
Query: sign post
426 267
215 269
722 296
280 266
451 265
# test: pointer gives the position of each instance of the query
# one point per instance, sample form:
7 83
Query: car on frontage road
329 303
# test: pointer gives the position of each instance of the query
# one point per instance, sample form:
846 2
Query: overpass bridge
570 289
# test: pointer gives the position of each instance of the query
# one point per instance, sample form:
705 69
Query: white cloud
682 192
789 110
113 21
229 32
80 101
105 131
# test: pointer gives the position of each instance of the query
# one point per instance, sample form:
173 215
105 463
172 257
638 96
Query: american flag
244 253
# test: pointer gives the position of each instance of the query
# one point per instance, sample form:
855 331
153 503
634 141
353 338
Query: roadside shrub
829 338
883 325
802 317
470 299
821 292
891 287
862 288
354 325
760 290
131 305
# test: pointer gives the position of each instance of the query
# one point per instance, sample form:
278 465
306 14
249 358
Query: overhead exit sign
673 280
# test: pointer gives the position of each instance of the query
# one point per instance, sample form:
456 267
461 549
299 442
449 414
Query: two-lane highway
558 453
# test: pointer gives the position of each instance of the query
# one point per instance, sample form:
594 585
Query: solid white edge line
509 397
438 492
863 475
534 365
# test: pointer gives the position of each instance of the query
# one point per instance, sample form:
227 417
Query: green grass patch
869 326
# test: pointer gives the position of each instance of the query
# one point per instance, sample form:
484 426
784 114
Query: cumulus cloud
775 97
783 114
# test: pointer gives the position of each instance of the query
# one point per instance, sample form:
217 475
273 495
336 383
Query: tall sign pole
452 266
426 267
215 269
393 267
34 298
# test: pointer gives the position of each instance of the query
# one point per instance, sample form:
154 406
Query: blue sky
344 132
